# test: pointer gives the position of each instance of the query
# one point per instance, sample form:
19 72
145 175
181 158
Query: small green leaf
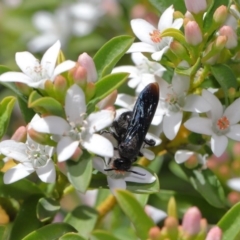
225 78
46 105
80 173
110 53
6 107
5 231
71 236
27 112
4 69
102 235
207 184
51 231
230 223
83 219
168 75
161 5
109 83
19 190
47 209
133 209
26 220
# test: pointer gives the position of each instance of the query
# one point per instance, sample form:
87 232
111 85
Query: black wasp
131 128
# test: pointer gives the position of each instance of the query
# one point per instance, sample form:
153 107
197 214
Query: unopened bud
191 221
108 101
196 6
24 88
172 208
87 62
220 15
60 88
177 14
220 43
192 162
90 90
49 87
171 225
215 233
154 233
231 36
189 16
193 33
77 154
80 76
236 149
20 135
233 197
179 50
41 138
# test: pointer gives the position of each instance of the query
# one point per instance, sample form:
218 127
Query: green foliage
110 53
102 235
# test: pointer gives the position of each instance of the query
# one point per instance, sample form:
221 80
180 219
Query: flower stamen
155 36
223 123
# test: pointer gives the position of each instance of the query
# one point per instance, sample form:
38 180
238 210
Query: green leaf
207 184
102 235
5 231
71 236
161 5
27 112
110 53
10 206
19 190
4 69
109 83
51 231
225 78
6 107
83 219
230 223
133 209
46 105
26 220
80 173
47 209
168 75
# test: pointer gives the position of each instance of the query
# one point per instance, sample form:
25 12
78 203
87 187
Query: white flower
156 214
234 184
117 179
174 100
35 73
69 133
143 73
220 125
31 157
151 40
182 156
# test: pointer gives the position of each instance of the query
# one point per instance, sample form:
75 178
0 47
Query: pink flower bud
87 62
154 233
24 88
196 6
214 234
90 90
60 84
108 100
231 36
20 134
220 15
191 221
193 33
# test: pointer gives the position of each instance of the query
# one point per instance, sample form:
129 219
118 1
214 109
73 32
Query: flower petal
98 145
177 24
15 150
47 173
166 19
51 124
182 156
139 58
63 67
216 106
125 101
148 154
195 103
171 124
157 56
99 164
232 112
193 124
234 184
27 63
15 77
75 104
142 30
49 58
180 84
116 183
218 144
16 173
141 47
66 148
99 120
147 177
234 132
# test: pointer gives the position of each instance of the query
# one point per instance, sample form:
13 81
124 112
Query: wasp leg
150 142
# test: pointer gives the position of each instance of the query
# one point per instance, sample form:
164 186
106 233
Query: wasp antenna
141 174
109 169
